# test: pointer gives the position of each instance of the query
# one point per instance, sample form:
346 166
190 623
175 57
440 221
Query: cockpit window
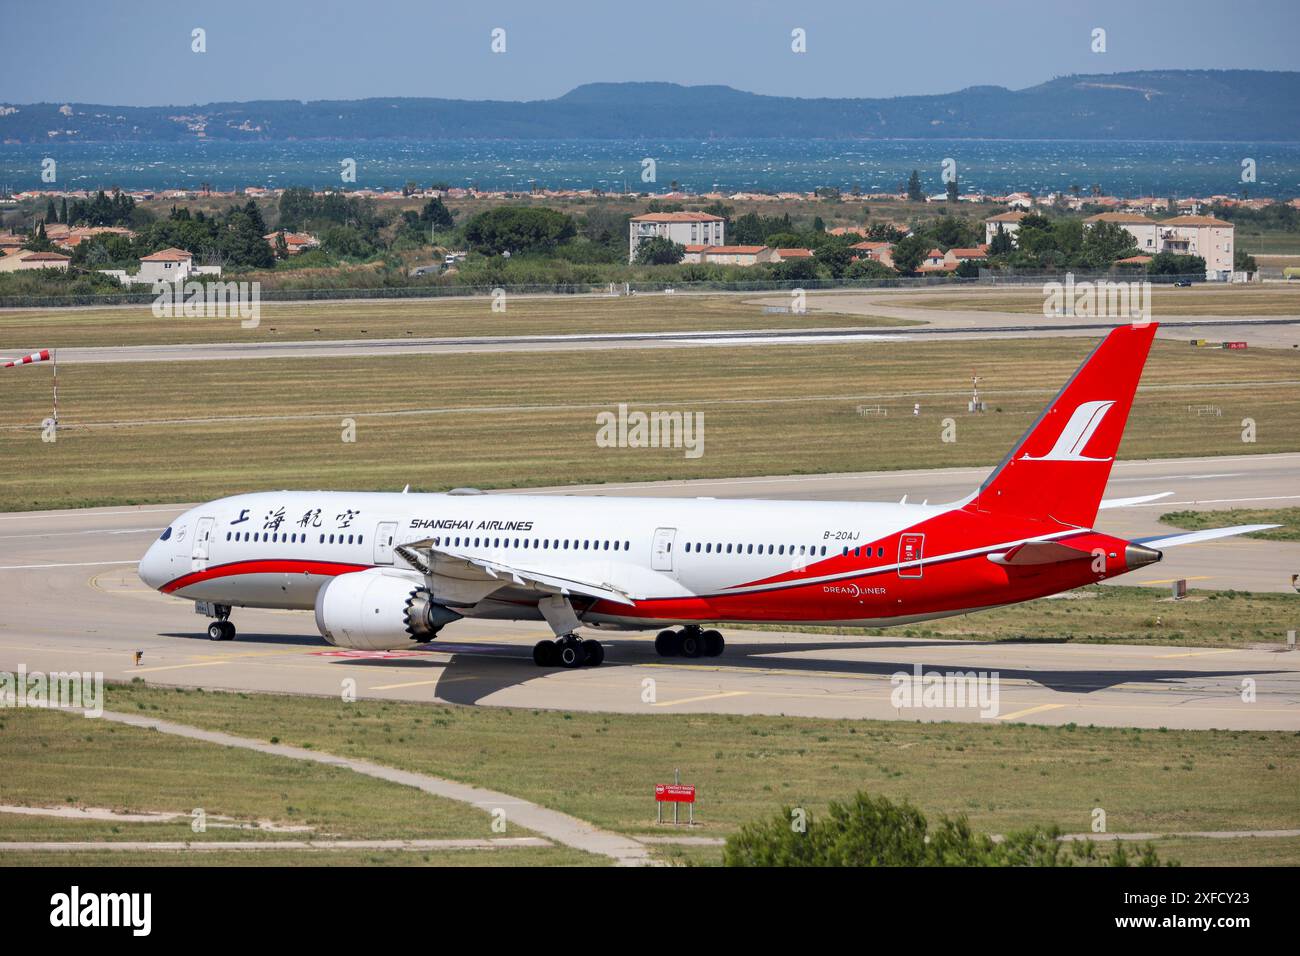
165 535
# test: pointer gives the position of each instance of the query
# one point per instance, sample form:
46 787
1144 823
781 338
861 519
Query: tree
952 191
835 256
1001 244
1243 261
876 831
1172 264
51 215
518 229
659 251
868 269
801 269
436 215
914 191
241 242
63 211
39 241
1106 242
908 253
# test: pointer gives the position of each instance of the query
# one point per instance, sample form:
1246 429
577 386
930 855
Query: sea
1119 168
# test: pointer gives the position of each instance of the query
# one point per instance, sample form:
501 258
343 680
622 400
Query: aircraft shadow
470 677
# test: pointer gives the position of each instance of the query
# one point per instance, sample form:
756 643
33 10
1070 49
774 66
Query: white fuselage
281 547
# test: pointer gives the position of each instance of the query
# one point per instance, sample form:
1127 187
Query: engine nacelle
379 609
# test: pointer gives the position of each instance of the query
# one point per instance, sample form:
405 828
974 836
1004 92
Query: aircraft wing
460 573
1192 537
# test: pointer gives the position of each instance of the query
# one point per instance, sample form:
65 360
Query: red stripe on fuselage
262 566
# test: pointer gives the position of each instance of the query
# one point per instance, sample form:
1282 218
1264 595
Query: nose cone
154 566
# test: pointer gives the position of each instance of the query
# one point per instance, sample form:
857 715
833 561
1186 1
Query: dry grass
1239 300
143 432
25 330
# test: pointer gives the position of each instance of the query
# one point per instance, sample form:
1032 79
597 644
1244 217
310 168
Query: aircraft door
202 542
661 558
385 536
911 552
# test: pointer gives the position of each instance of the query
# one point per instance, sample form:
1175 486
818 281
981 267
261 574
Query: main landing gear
569 650
690 641
222 629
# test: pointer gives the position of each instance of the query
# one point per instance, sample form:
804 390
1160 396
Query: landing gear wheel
691 643
546 654
666 644
713 643
221 631
572 653
595 653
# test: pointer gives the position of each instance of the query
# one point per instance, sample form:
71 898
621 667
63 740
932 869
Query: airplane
385 571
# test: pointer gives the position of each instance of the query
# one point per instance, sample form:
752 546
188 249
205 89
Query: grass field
1116 614
139 432
1288 518
62 759
1166 302
24 330
523 856
601 767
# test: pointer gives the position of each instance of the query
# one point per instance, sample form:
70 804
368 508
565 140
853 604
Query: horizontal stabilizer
1130 502
1192 537
1038 552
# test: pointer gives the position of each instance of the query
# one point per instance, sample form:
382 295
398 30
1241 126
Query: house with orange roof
1144 231
22 261
686 228
934 262
730 255
1008 222
294 242
784 254
956 256
881 252
1204 236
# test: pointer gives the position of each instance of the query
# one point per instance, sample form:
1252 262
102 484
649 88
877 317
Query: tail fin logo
1077 433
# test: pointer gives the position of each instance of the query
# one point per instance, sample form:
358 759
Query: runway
73 602
816 327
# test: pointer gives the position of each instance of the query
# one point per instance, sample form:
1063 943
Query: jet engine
379 609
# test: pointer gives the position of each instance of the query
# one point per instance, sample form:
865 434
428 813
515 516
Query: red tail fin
1059 468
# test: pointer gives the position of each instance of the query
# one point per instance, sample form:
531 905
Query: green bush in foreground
875 831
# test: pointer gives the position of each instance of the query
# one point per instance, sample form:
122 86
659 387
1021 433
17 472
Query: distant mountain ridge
1221 105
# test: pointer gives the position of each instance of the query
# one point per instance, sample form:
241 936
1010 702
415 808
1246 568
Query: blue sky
138 53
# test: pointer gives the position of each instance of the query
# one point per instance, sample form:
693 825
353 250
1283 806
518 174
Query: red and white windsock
42 356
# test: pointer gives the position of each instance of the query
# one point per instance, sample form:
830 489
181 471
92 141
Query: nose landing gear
222 629
690 641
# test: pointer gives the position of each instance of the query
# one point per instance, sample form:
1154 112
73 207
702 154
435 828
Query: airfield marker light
139 657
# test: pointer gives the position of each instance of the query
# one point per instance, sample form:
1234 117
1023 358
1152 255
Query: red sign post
675 793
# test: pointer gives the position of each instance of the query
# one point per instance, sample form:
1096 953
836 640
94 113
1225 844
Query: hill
1223 105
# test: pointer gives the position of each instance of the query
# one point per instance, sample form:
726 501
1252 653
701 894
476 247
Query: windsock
42 356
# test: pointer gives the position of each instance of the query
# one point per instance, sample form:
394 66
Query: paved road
72 601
